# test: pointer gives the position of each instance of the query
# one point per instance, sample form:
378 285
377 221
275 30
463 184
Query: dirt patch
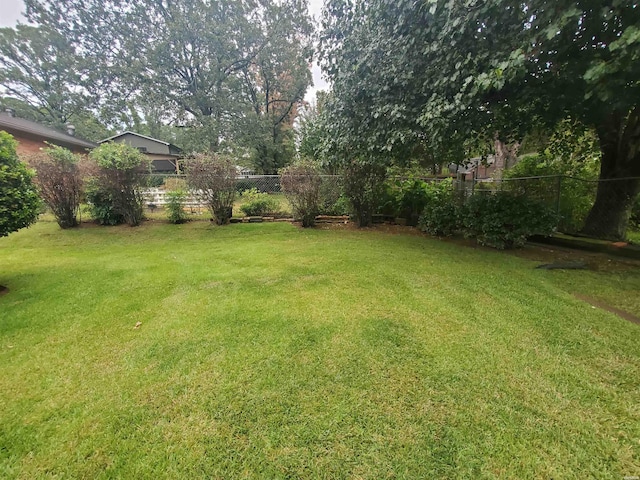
599 262
3 290
616 311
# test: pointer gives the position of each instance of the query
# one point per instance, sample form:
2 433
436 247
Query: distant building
476 168
32 136
165 157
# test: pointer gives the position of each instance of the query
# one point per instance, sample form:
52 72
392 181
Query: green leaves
19 200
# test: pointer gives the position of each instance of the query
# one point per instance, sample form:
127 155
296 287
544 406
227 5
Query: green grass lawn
268 351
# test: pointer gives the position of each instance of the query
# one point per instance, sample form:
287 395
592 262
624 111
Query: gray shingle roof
8 122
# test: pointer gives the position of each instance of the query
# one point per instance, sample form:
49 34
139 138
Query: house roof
36 129
129 132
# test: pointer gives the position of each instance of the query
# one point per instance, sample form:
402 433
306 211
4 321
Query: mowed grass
268 351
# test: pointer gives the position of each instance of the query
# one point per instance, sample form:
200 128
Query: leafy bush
258 204
301 183
503 220
19 201
441 213
175 206
407 198
340 206
212 178
60 183
154 181
101 205
572 197
116 185
332 199
634 219
363 186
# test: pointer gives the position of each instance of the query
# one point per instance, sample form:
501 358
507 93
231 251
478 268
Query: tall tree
275 82
442 71
43 78
197 59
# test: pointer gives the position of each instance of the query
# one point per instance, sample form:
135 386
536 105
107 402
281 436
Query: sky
11 13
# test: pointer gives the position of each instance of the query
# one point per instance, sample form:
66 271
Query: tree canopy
223 74
432 78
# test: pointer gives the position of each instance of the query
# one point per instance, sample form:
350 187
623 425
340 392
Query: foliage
258 204
332 198
154 181
363 183
175 206
46 81
212 178
102 204
568 186
19 201
302 184
484 68
227 72
60 183
407 197
634 220
441 212
116 185
311 131
503 220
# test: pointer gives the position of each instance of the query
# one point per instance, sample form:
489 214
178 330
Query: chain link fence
572 199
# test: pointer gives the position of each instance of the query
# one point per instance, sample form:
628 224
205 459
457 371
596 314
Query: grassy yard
267 351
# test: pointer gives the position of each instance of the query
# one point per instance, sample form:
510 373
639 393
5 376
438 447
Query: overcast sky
11 13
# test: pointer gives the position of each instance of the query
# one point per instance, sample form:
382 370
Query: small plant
175 206
212 178
503 220
60 183
301 183
441 213
258 204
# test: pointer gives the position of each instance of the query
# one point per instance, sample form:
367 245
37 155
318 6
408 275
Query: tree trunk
619 139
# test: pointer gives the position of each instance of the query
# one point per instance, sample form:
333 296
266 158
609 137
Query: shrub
363 186
212 178
258 204
503 220
154 181
572 197
19 201
101 204
339 207
175 206
634 218
116 184
407 198
441 213
60 183
301 183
